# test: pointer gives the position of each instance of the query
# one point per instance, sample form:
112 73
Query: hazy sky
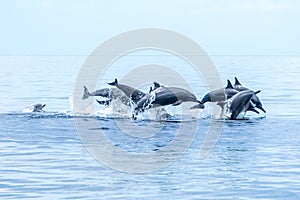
221 27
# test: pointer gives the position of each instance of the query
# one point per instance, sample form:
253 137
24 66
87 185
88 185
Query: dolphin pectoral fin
113 83
86 93
177 103
105 103
258 91
252 109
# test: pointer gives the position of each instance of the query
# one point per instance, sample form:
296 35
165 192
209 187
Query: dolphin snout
261 108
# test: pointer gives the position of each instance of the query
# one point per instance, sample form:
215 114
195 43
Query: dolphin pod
235 99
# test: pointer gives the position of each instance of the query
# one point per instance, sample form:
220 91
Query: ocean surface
42 155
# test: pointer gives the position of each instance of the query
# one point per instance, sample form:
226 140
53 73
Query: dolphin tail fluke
200 105
114 83
86 93
237 81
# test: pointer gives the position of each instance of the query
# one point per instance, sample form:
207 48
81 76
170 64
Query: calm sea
42 156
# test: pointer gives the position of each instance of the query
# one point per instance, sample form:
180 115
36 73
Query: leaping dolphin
241 102
110 93
238 86
134 94
220 95
162 96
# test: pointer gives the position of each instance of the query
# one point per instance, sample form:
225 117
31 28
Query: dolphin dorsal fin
229 85
156 85
237 82
114 83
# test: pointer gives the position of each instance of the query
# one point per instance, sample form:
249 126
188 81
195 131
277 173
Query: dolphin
104 92
238 86
110 93
162 96
240 103
134 94
37 107
220 95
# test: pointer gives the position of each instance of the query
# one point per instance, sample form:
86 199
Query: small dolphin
241 103
238 86
134 94
37 107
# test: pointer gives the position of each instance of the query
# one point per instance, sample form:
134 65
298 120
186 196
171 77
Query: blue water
42 156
